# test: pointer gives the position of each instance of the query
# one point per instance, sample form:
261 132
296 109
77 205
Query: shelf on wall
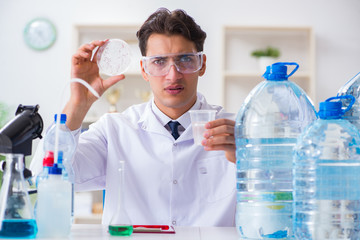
241 71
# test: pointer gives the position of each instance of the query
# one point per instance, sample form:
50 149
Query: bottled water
326 177
352 87
53 210
267 126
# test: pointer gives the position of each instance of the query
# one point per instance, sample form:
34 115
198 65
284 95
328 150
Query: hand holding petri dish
114 57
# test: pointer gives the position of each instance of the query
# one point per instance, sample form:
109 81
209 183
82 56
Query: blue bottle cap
55 169
330 110
278 71
333 110
62 118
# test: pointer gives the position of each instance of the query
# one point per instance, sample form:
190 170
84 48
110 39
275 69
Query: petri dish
114 57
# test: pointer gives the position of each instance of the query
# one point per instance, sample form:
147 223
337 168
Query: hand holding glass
198 120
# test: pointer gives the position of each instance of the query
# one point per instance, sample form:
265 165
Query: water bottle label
265 196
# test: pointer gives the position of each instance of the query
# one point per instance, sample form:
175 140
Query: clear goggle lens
185 63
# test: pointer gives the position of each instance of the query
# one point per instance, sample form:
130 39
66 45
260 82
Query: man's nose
173 72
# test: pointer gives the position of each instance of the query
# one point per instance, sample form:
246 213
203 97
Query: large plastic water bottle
53 209
267 126
326 177
352 87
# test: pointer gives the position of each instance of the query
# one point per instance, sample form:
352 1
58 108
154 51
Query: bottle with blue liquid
16 212
326 176
267 126
352 87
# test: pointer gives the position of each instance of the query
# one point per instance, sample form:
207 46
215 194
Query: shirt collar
184 119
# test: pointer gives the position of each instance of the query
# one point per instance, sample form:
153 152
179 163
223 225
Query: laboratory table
98 231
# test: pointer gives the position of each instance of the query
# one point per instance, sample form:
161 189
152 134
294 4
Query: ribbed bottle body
264 184
327 182
267 126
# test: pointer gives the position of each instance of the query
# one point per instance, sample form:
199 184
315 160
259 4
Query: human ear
143 73
203 68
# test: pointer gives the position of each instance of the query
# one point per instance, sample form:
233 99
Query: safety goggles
159 65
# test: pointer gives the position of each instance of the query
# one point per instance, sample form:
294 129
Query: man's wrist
75 114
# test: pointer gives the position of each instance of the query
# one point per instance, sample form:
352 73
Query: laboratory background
322 36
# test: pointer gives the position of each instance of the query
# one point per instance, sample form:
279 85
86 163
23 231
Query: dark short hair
177 22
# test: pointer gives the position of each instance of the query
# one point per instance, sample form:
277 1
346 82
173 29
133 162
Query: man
168 180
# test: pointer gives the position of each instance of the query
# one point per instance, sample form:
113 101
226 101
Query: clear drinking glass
198 120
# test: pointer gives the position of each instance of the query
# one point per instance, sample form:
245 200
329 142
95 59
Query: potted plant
266 56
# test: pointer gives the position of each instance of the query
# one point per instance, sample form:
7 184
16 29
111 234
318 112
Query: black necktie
174 128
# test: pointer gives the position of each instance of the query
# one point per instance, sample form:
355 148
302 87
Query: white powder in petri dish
114 57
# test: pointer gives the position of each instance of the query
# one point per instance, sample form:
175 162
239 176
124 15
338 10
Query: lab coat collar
184 119
149 121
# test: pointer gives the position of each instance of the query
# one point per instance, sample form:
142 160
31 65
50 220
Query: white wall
30 77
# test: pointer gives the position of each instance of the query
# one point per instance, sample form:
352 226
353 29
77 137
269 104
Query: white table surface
98 231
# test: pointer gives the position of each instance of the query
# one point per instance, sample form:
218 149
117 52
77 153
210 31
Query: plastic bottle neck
54 177
62 118
278 71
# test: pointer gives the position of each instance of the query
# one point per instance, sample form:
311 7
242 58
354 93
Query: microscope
17 135
16 138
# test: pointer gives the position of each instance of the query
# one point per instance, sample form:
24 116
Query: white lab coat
168 181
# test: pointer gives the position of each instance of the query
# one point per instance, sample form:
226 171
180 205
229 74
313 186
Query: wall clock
40 34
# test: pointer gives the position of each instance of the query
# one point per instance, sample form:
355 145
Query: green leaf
267 52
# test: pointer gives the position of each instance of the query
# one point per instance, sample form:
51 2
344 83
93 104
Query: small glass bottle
16 213
120 224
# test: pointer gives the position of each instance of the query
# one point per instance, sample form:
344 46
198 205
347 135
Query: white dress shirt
167 181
